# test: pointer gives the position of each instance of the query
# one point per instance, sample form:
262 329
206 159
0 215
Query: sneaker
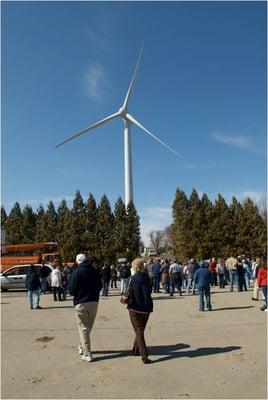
38 308
80 350
87 357
147 361
263 308
253 298
32 308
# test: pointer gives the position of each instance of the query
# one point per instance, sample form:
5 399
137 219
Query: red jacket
262 277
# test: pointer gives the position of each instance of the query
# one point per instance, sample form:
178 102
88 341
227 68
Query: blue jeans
105 289
43 281
173 287
166 287
124 284
190 283
64 293
221 280
33 294
201 293
233 279
155 281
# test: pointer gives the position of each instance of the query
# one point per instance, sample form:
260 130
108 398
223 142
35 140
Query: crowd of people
86 280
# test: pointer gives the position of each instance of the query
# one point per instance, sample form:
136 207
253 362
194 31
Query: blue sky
201 88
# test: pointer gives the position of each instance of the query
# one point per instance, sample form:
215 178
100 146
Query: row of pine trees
86 227
202 229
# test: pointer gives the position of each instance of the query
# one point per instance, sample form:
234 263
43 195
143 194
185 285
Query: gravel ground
210 355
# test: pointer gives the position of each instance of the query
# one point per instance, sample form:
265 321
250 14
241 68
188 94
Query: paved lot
214 355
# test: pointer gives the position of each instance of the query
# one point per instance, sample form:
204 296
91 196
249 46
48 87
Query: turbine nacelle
123 111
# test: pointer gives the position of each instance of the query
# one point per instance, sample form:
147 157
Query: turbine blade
97 124
132 119
133 78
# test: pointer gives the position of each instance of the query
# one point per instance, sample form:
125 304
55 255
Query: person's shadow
168 351
231 308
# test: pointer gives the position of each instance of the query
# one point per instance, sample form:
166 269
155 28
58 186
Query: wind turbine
128 120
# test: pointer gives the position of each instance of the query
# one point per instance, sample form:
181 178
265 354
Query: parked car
15 277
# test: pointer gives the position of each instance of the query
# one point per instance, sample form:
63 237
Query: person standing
85 286
64 282
231 265
140 307
175 275
106 277
220 269
255 270
33 286
44 273
212 268
56 282
113 277
156 268
124 271
262 283
191 267
202 279
240 275
165 276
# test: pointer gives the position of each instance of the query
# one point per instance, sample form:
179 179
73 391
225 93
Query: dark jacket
142 289
156 268
44 271
33 281
106 273
85 284
202 278
124 271
240 269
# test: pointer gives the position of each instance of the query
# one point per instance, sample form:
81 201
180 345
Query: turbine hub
122 111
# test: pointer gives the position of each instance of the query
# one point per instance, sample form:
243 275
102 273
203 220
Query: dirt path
212 355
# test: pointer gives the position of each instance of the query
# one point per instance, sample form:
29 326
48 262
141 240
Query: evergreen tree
220 228
68 249
105 231
51 221
13 225
41 225
61 212
253 232
28 224
236 227
90 235
77 222
195 224
133 232
207 240
3 217
63 235
181 227
120 228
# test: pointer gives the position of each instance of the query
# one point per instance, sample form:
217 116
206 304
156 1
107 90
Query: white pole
128 164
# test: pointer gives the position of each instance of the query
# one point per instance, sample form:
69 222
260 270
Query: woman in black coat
140 307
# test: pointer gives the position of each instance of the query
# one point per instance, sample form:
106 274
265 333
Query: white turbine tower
128 120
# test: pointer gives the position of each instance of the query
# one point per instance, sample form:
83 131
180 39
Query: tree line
201 229
86 227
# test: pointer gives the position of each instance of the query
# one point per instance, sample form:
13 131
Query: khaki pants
86 314
256 291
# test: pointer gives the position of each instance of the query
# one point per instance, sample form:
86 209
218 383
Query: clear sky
201 88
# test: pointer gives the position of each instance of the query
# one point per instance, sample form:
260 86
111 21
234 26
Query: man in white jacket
56 282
